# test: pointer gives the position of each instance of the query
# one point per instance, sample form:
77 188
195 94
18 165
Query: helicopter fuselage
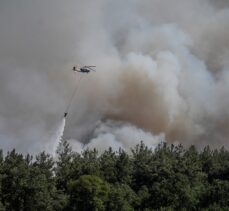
84 70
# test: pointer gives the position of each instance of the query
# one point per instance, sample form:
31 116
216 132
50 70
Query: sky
162 73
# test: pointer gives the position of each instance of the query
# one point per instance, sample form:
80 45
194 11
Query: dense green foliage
167 178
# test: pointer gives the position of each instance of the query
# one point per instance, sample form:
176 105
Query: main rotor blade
90 68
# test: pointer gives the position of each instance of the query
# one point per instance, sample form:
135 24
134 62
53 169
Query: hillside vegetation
167 178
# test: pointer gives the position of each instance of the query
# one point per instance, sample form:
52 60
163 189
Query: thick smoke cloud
117 135
162 72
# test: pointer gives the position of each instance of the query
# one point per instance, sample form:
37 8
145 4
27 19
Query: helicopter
84 69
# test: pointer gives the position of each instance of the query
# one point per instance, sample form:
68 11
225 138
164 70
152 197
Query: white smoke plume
117 135
162 72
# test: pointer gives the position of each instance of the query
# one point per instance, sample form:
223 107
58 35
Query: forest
170 177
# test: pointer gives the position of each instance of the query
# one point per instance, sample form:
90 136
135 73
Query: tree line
167 178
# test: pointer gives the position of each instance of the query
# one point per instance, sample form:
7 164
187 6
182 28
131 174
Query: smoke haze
162 73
